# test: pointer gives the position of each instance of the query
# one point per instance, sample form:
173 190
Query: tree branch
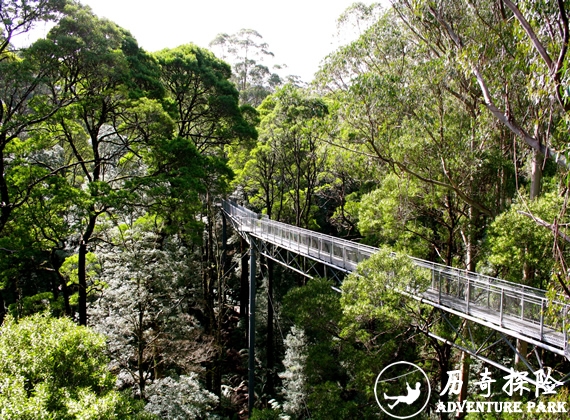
513 126
565 37
530 33
551 226
554 68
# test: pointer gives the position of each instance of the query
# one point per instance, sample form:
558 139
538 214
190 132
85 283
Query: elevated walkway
513 309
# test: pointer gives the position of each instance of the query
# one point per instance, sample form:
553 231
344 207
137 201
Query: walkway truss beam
509 309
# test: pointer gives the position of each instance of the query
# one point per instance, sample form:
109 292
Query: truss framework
301 264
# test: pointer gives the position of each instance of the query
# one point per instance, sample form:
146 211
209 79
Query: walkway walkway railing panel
473 291
500 298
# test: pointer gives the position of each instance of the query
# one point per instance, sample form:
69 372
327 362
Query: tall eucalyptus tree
98 132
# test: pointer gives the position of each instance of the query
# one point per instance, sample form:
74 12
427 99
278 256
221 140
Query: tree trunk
470 265
5 205
270 332
209 283
528 270
522 349
219 363
444 354
82 277
2 308
140 353
536 174
56 263
82 268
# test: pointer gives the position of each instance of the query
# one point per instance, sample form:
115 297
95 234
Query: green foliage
51 368
334 372
18 17
281 173
89 46
346 339
326 402
441 167
519 250
121 154
143 79
315 306
376 294
394 214
265 414
41 302
69 267
205 103
328 366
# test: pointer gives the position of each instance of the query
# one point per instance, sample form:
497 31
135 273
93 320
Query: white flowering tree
294 378
181 398
147 291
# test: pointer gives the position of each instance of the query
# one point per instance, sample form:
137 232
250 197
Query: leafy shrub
50 368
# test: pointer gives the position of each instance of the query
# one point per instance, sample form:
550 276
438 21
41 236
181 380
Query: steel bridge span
509 310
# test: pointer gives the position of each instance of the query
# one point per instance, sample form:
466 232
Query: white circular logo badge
402 390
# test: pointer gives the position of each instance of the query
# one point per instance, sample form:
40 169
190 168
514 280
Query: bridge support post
520 354
465 361
270 336
251 335
224 241
244 285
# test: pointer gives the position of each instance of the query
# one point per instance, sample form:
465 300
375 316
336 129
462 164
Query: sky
299 32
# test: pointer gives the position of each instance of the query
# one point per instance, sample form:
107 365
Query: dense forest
441 133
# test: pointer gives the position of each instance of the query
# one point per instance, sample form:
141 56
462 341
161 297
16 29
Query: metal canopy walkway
511 309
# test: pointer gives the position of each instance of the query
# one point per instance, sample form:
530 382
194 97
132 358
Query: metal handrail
473 290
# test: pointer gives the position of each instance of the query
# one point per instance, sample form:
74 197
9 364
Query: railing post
564 330
541 319
458 277
468 292
439 277
501 307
